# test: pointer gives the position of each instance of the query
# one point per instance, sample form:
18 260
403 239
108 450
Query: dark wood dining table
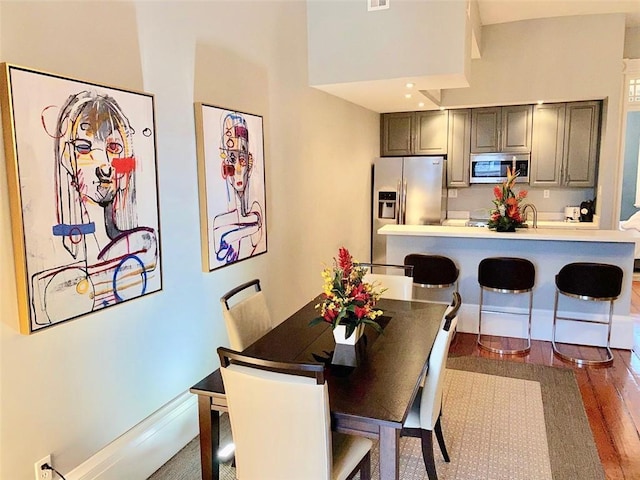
371 385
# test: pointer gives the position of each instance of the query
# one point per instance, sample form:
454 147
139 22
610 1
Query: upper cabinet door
565 144
581 134
548 145
516 129
396 134
459 148
431 132
485 130
501 129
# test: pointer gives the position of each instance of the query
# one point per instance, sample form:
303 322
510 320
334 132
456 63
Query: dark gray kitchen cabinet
581 143
565 146
459 148
396 132
414 133
548 143
501 129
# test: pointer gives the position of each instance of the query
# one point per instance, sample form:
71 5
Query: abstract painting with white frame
81 166
231 178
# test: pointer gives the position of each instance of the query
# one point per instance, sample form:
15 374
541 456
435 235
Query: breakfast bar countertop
549 234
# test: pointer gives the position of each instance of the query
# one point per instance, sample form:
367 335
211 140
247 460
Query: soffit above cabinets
367 57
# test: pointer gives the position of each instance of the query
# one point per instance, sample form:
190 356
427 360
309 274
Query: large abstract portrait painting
81 166
231 178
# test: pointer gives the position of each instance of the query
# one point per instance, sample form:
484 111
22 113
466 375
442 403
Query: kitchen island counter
551 234
549 249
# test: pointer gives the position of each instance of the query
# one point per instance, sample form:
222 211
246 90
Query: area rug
572 451
501 420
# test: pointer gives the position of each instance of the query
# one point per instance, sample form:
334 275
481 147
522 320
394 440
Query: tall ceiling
382 95
502 11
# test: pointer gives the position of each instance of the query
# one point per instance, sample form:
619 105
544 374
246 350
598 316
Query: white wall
555 59
74 388
347 43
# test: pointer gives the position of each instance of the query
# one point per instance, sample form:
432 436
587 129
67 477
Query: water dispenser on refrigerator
387 204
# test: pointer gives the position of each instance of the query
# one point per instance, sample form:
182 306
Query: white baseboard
147 446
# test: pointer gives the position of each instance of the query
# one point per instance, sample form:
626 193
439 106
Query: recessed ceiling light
441 108
421 104
540 102
407 95
409 85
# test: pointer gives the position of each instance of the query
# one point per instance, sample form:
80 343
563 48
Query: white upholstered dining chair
248 318
397 279
280 421
424 416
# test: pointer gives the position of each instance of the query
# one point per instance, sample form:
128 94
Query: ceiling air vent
377 4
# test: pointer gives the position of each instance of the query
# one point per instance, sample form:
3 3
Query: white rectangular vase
340 331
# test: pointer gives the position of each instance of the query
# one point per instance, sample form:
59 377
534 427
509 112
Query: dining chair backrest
431 400
247 319
397 282
280 420
452 310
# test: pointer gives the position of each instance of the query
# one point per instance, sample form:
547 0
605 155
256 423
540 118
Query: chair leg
427 454
440 437
365 467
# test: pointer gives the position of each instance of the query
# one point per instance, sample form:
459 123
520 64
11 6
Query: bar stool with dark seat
506 275
433 271
599 282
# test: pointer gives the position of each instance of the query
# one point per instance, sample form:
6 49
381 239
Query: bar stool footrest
583 361
521 351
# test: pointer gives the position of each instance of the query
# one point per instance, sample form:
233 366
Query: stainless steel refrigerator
406 190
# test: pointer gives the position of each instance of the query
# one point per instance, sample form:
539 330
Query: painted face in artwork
100 150
236 159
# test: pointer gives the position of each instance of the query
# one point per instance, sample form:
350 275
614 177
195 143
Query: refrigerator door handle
404 202
399 207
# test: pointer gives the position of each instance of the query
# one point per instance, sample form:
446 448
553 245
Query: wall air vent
377 4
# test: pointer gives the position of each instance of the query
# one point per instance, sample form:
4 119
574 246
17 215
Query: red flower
361 311
330 315
345 261
497 191
359 293
522 194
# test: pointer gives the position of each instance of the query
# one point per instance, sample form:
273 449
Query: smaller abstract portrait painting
231 178
81 166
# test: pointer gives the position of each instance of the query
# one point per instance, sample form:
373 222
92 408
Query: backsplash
481 196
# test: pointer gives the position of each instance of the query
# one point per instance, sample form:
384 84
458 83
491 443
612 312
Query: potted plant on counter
348 303
506 216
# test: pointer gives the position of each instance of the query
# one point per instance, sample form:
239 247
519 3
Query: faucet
535 213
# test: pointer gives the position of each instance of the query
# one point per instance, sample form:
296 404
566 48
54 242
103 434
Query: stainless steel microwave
492 167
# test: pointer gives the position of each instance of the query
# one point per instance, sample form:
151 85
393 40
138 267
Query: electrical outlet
453 193
546 194
43 474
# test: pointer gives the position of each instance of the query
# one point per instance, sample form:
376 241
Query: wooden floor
611 398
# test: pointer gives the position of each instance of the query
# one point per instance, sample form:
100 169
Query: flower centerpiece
506 215
348 301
